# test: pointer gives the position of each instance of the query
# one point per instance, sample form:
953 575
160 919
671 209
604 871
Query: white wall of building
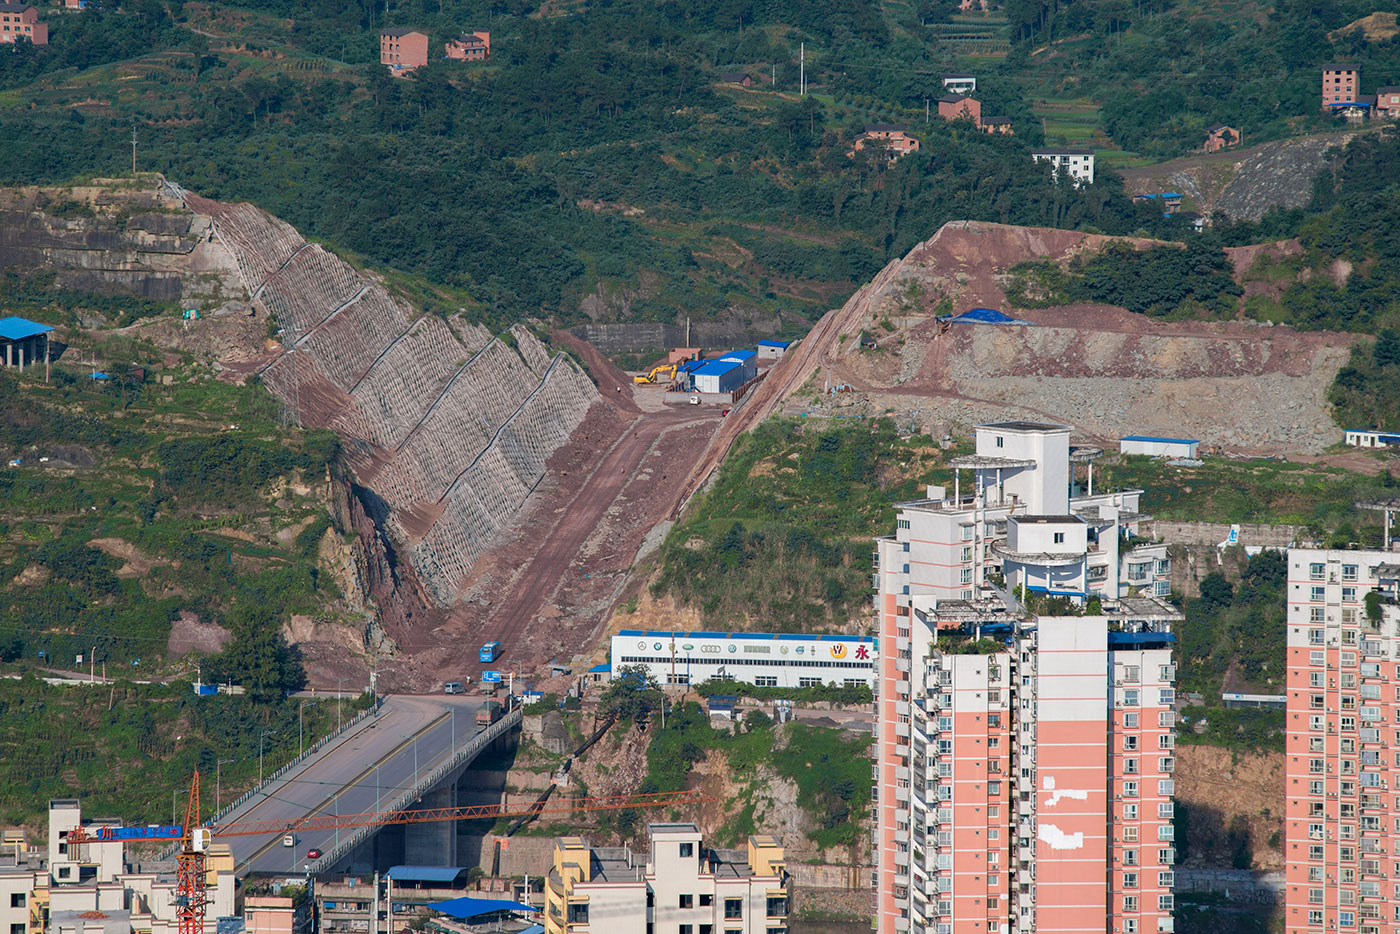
766 660
1159 447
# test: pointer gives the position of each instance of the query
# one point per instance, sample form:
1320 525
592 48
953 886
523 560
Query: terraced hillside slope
447 428
1239 384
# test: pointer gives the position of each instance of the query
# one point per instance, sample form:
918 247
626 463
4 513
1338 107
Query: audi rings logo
710 649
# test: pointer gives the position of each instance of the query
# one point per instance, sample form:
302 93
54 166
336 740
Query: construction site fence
464 755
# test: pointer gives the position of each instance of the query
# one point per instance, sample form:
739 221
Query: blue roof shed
17 329
24 340
439 874
463 908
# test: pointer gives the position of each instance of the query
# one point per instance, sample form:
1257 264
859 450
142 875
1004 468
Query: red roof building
960 107
892 135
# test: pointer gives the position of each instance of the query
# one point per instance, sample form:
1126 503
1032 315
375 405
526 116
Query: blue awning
603 669
16 329
425 873
475 907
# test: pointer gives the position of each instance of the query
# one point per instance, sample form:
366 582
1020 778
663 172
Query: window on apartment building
1130 926
578 914
1132 673
686 928
1130 903
1130 834
1349 572
1130 789
1315 722
1318 594
1317 571
1130 720
706 901
1166 696
1166 857
17 899
17 929
1130 857
1346 918
1059 538
1130 696
967 553
1130 812
1315 788
1130 766
1166 764
1315 852
733 908
777 907
1164 810
966 576
1162 588
1315 917
1130 880
687 901
1349 596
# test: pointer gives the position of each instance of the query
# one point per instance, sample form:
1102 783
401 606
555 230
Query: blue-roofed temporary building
599 674
463 908
24 341
719 376
772 350
982 316
437 875
748 359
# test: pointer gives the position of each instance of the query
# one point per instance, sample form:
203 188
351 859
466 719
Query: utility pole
802 69
774 81
133 149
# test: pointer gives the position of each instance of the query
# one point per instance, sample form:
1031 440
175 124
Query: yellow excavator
655 376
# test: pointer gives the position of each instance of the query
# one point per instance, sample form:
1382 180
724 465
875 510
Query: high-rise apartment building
1023 764
1342 751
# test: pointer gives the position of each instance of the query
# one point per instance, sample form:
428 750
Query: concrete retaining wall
1213 533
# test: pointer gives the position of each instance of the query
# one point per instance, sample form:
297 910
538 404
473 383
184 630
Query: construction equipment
668 368
190 873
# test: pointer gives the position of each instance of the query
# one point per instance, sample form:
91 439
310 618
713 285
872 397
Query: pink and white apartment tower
1023 764
1342 747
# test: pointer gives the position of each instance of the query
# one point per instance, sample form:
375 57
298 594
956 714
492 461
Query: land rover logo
838 651
688 647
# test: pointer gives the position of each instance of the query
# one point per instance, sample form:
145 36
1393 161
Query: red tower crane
196 840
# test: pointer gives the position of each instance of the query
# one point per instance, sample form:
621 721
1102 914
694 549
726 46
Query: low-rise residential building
959 84
403 50
1341 85
474 45
1170 201
1000 125
1388 102
960 107
741 78
21 21
781 660
681 886
771 349
891 135
1220 137
1076 164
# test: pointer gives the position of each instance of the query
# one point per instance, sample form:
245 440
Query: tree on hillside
633 695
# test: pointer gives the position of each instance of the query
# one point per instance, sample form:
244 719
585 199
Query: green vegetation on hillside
830 768
1234 640
125 748
785 534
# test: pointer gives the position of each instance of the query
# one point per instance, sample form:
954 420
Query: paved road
365 768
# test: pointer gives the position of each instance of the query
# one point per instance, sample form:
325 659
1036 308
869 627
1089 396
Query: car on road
454 687
313 853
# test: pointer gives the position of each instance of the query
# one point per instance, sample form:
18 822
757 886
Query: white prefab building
1362 438
1077 163
772 350
766 660
1158 447
960 84
748 359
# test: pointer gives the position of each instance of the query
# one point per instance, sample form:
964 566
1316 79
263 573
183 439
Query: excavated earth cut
447 428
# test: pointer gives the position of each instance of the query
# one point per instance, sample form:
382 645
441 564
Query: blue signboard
150 832
491 677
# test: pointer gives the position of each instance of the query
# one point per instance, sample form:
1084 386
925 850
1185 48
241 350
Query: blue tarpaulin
475 907
982 316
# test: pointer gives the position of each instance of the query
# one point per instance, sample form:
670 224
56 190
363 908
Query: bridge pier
433 843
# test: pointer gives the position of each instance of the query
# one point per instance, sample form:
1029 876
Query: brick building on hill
960 106
473 46
403 50
21 21
1221 137
1341 84
897 143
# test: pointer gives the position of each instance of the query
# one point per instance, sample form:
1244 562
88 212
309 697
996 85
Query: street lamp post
218 784
301 712
338 724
